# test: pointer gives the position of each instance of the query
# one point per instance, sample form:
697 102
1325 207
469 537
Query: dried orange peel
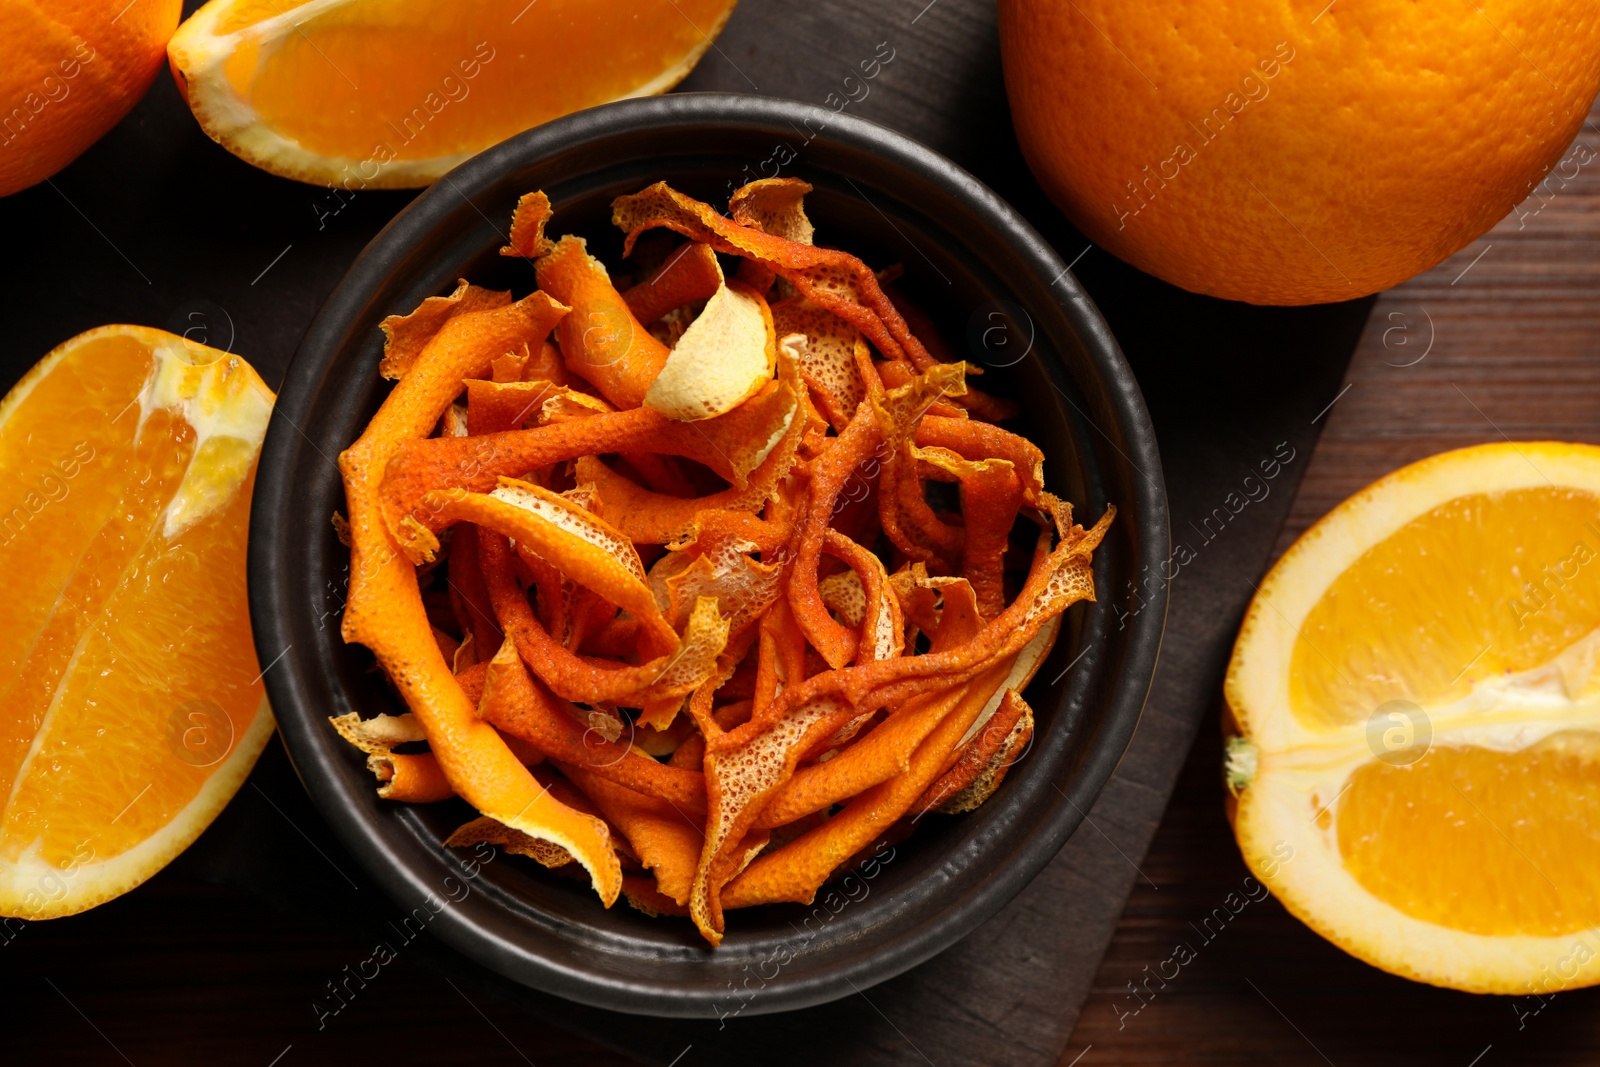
384 609
699 583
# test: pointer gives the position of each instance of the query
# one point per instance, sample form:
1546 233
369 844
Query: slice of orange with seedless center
393 95
1415 701
131 704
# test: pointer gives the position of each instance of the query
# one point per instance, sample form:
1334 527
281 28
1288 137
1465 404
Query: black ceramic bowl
1001 297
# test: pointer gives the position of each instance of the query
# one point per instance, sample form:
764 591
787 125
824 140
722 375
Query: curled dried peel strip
579 544
509 367
660 474
643 897
409 778
732 445
574 677
705 636
979 441
829 473
982 763
486 830
1023 668
883 753
797 869
774 205
976 402
830 356
656 518
405 336
528 221
604 344
666 839
882 628
724 357
379 733
468 594
830 279
845 597
514 703
870 428
651 518
417 778
1059 577
903 508
742 587
793 872
740 776
910 498
546 365
918 601
691 274
991 497
496 406
384 609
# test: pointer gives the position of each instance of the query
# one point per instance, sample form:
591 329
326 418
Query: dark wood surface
219 958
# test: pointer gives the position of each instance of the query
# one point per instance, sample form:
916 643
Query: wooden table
184 971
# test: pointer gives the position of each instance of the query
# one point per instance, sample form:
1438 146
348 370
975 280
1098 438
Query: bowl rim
272 547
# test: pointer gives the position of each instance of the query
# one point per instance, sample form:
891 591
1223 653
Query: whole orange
1298 151
69 71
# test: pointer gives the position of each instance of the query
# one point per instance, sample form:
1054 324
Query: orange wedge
393 95
1415 700
131 704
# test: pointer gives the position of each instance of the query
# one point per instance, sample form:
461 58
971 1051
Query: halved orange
392 95
1416 702
131 704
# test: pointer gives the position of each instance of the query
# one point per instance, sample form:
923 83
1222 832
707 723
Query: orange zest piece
604 344
664 836
410 778
982 763
689 275
406 335
833 359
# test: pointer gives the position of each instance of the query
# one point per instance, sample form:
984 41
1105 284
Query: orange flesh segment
106 612
1525 555
1492 843
415 66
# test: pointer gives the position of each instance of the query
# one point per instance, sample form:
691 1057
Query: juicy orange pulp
1478 586
1488 842
394 94
127 669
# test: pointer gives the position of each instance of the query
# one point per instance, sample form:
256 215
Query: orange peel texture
673 548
